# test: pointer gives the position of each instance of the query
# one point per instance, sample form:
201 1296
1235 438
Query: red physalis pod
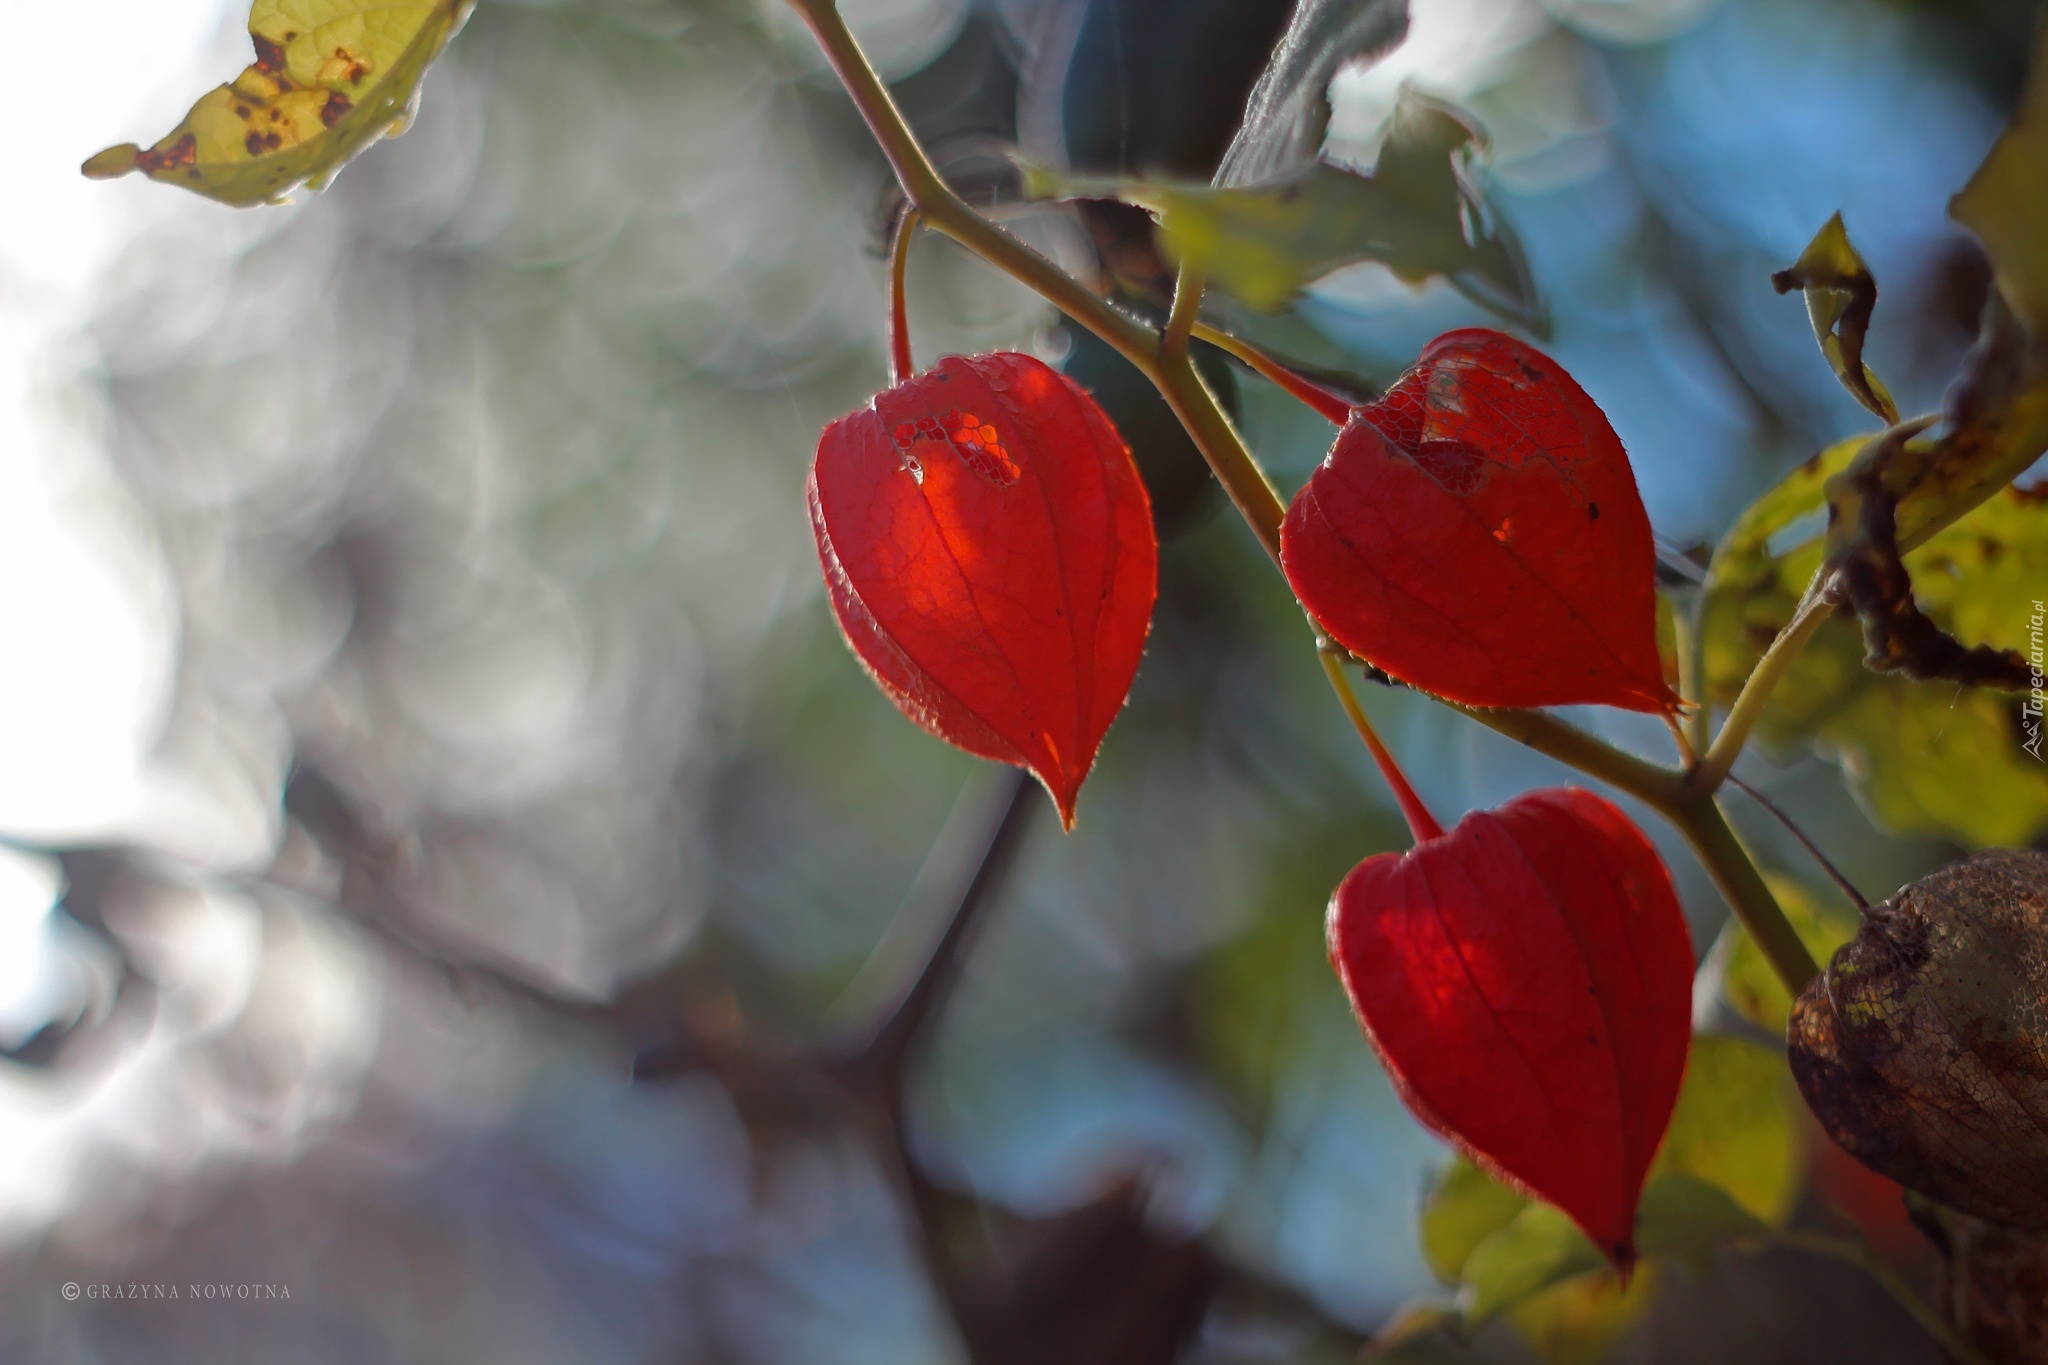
990 555
1527 980
1477 533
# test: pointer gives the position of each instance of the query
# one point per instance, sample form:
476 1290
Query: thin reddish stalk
1421 823
901 367
1334 408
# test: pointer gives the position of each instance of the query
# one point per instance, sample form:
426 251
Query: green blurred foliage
1581 1321
1737 1126
1923 757
1265 993
2006 201
1730 1170
1421 213
1748 982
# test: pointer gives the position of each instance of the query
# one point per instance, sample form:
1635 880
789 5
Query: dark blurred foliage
519 985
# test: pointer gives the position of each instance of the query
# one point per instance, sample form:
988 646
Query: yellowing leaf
1728 1171
1690 1218
2006 201
1748 981
1540 1247
1736 1126
330 77
1581 1321
1840 294
1420 213
1466 1207
1681 1215
1925 757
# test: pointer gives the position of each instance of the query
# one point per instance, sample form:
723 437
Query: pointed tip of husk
1065 793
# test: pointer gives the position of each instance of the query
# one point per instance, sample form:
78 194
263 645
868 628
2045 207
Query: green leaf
1729 1170
2006 202
1539 1248
1680 1216
1748 981
1689 1218
1420 213
1923 757
1840 294
1466 1207
330 77
1581 1321
1995 427
1264 993
1736 1127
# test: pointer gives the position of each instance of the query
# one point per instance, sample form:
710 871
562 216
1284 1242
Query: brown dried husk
1995 1289
1923 1048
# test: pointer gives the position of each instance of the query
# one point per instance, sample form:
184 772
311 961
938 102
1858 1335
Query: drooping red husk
1478 534
989 551
1527 980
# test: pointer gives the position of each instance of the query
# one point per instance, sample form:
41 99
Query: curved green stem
1700 820
1656 786
1179 381
1713 769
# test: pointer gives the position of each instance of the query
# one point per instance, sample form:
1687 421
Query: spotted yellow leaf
330 77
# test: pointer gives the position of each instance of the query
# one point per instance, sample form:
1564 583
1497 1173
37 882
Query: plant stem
1848 887
1187 311
1814 609
1172 371
945 211
1656 786
1694 677
1749 703
1894 1284
901 366
1734 871
1421 823
1334 409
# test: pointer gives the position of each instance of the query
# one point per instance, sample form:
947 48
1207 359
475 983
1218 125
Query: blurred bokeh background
420 713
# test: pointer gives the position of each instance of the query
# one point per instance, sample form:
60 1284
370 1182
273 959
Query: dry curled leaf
1840 296
1923 1048
1868 576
